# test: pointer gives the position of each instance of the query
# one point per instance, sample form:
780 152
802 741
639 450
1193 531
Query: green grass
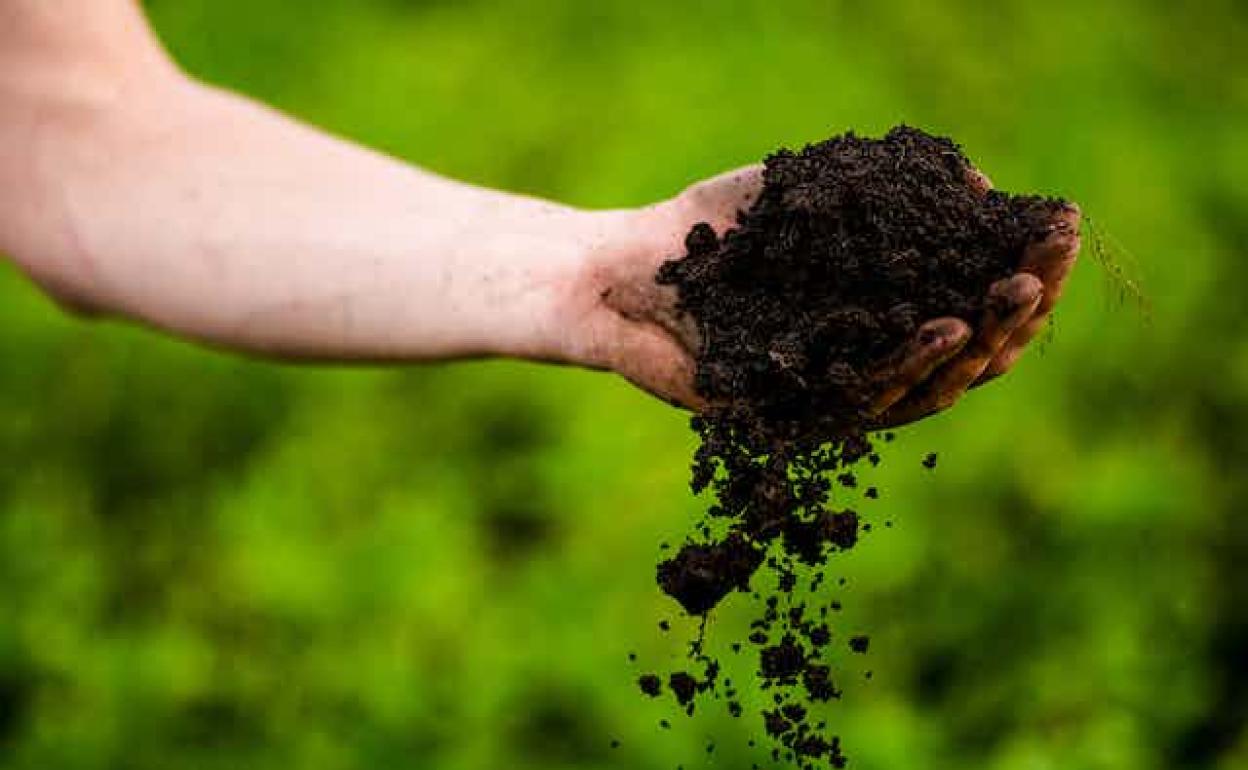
207 562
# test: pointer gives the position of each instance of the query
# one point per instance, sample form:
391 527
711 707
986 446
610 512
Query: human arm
130 190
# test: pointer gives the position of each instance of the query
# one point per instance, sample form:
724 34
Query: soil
852 244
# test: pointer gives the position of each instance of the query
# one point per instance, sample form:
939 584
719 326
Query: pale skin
129 190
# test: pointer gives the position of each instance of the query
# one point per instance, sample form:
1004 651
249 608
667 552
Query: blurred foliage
207 562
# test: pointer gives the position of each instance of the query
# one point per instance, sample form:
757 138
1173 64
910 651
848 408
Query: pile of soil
851 246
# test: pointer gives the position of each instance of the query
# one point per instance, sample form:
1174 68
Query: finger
935 343
1051 260
1011 301
1002 363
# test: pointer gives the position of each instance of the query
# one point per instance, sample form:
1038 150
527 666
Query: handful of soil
851 246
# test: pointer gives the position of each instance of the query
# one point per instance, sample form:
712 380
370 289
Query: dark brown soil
851 246
701 575
650 684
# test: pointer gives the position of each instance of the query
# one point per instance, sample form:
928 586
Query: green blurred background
207 562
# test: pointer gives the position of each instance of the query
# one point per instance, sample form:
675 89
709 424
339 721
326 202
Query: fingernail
1058 228
1060 238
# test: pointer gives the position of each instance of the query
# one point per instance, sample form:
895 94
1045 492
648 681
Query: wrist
556 307
602 297
522 291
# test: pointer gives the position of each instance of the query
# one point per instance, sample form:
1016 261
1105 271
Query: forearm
202 213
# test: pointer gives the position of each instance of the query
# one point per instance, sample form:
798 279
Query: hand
630 324
1018 308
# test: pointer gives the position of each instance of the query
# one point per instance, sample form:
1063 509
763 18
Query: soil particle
701 575
794 712
812 746
818 683
684 686
650 684
775 724
782 661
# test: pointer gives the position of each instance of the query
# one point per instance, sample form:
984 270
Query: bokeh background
207 562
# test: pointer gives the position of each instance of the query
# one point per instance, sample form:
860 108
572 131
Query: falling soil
851 246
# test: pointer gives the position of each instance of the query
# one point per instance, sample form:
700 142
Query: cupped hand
631 324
